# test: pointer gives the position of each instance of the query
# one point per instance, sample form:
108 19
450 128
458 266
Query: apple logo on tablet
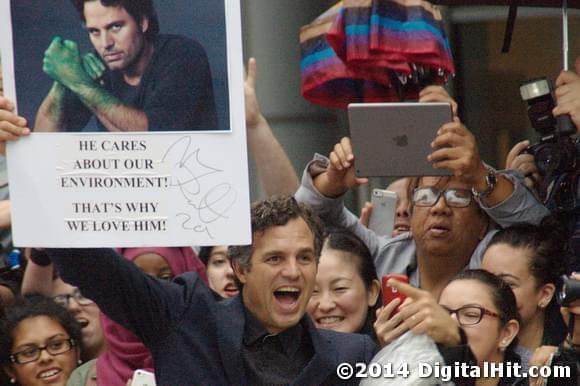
401 140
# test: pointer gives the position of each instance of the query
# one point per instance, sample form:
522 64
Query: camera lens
570 292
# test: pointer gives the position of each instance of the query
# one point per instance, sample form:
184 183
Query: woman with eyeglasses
40 278
531 260
40 342
475 307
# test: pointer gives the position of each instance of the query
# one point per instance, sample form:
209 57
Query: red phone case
389 293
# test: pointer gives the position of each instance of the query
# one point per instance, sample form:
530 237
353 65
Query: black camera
557 153
418 78
570 292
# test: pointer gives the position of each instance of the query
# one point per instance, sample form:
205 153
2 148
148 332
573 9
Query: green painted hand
93 66
62 62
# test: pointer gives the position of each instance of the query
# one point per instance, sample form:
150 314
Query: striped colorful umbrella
373 50
326 78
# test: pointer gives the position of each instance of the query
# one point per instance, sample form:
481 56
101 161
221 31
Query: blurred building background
486 85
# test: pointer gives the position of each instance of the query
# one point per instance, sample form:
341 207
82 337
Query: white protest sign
137 189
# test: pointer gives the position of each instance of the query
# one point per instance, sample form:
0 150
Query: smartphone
143 378
382 219
390 293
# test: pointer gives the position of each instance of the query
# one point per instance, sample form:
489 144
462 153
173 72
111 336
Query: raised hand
455 149
568 94
253 114
437 94
340 174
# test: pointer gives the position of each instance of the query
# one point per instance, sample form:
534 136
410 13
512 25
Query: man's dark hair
276 211
138 9
31 306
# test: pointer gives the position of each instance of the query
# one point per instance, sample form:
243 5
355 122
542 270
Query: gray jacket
398 255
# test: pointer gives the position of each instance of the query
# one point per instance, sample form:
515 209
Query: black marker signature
210 204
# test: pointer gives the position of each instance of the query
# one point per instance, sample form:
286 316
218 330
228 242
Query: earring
541 304
503 346
12 380
80 362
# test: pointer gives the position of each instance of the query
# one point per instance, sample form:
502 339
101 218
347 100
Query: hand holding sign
422 315
12 126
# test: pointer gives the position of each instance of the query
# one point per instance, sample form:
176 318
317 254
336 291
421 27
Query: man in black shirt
147 82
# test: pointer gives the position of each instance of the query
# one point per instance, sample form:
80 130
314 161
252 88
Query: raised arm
275 170
325 181
147 306
455 149
38 274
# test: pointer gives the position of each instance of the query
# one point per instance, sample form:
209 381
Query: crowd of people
483 256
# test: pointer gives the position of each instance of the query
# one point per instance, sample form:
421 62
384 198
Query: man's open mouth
287 297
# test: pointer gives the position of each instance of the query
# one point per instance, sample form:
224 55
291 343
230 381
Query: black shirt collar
256 334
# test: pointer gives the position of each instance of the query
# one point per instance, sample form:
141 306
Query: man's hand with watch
455 149
481 191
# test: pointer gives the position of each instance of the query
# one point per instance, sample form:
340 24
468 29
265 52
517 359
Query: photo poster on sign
98 179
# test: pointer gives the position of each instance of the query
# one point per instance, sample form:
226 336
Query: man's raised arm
147 306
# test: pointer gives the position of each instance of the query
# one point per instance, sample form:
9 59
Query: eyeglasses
470 315
454 198
64 299
31 354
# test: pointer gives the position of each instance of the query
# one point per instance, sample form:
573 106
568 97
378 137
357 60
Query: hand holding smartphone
390 293
382 220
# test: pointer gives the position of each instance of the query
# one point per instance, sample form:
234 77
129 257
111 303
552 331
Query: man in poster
148 81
